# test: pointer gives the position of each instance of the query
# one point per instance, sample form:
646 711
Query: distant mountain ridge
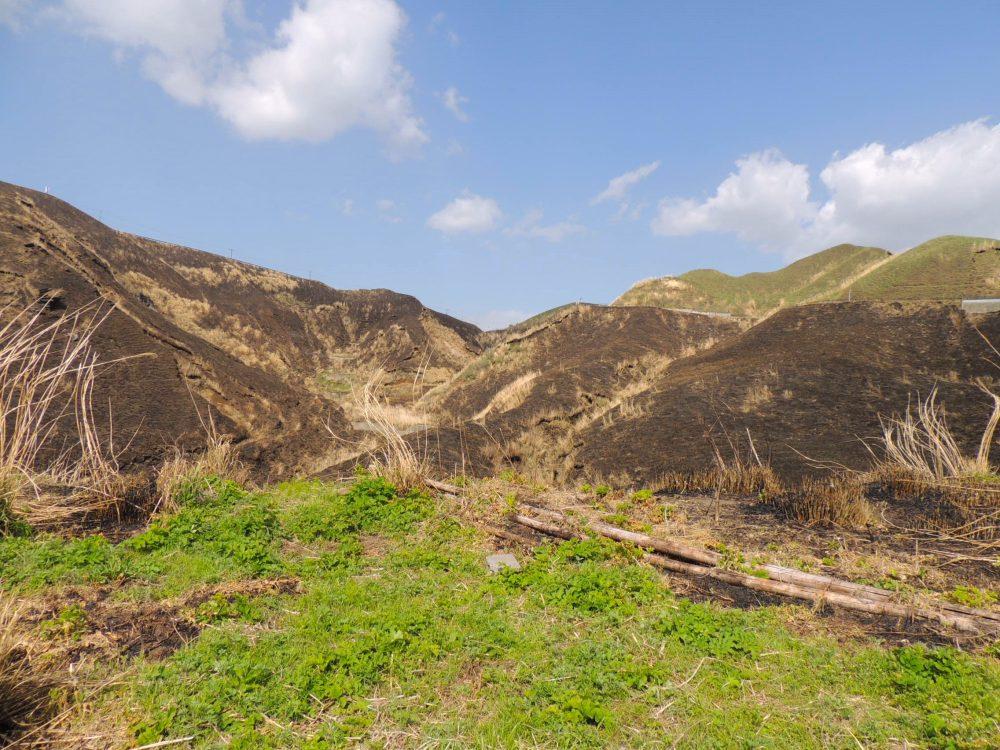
944 269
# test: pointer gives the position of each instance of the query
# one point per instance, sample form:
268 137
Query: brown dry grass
27 681
921 444
739 475
510 396
757 395
47 371
923 463
837 501
396 458
218 459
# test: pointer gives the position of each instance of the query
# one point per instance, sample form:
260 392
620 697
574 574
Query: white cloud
620 185
453 102
467 213
437 24
334 68
387 210
492 320
630 211
180 41
766 201
331 66
947 183
12 11
347 207
530 226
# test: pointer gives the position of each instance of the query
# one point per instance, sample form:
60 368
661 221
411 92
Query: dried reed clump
835 501
396 458
921 444
27 682
923 463
47 372
736 476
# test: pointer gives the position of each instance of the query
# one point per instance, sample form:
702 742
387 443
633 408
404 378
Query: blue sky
456 151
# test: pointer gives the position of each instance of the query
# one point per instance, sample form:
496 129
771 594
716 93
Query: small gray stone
502 560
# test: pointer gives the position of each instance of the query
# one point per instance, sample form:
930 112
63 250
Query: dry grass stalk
923 461
922 445
837 501
218 459
26 682
395 458
740 475
47 371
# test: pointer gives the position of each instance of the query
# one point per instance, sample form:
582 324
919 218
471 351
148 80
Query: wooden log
969 623
965 623
689 553
781 581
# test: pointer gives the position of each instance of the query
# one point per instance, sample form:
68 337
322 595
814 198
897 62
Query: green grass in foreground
401 637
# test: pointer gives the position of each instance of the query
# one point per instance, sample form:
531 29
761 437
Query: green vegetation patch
399 635
818 276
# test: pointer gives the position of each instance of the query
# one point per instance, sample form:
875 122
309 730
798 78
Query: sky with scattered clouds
500 158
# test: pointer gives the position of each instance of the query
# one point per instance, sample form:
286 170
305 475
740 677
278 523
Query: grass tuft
27 683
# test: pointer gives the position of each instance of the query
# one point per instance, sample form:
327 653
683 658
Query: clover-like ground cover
397 635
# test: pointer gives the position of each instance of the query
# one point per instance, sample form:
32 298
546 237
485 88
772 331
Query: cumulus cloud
766 201
330 67
453 102
469 213
531 226
619 186
333 68
947 183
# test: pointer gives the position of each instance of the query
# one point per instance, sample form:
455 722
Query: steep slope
808 385
166 382
269 353
299 330
527 396
754 294
947 269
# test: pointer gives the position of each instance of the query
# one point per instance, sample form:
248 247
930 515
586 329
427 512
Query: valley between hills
209 469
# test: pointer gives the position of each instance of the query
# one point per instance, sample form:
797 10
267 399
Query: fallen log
778 580
688 553
963 622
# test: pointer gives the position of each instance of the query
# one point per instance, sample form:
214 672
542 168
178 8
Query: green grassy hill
821 275
947 268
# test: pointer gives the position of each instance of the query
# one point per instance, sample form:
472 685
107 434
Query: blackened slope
808 385
576 359
171 378
292 327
